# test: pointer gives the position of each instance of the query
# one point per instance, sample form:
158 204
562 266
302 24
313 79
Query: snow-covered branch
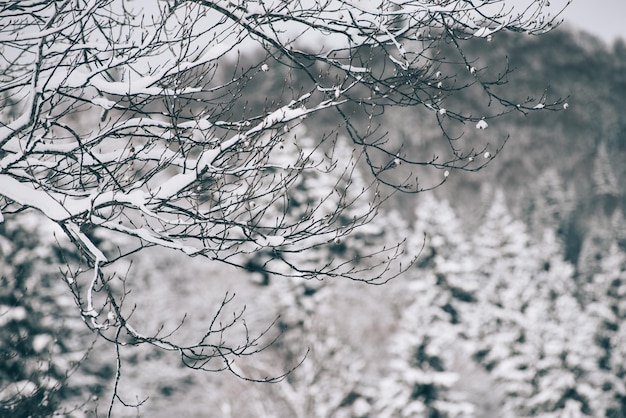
190 125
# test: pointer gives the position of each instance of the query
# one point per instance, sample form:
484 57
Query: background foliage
514 308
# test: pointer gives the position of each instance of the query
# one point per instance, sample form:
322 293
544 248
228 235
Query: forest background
515 306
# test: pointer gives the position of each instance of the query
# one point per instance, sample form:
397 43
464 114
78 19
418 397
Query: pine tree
595 244
41 343
556 351
328 382
552 203
446 246
618 228
531 334
606 298
503 266
421 380
604 179
329 190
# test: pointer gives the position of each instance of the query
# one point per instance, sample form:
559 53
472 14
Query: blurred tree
503 268
529 330
328 179
420 378
605 297
42 345
441 240
141 121
552 367
605 183
428 345
29 384
552 204
503 264
596 244
329 381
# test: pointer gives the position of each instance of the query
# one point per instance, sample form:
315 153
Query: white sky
603 18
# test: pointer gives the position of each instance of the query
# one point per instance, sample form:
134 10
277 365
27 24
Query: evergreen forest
514 304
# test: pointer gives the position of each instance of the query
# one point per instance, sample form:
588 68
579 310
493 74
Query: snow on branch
192 125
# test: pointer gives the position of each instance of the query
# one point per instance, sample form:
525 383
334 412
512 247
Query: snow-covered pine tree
530 332
427 345
420 381
605 183
554 356
331 207
604 205
551 204
502 269
42 345
605 296
446 245
328 383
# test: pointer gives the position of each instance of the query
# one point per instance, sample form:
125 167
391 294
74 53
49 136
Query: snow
41 341
150 236
352 69
175 184
19 123
111 317
270 241
202 124
539 106
12 313
32 35
284 114
135 197
103 102
90 246
26 195
214 52
59 209
402 64
486 32
141 122
208 156
22 388
139 85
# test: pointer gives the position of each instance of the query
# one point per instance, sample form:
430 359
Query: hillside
575 151
515 306
554 176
